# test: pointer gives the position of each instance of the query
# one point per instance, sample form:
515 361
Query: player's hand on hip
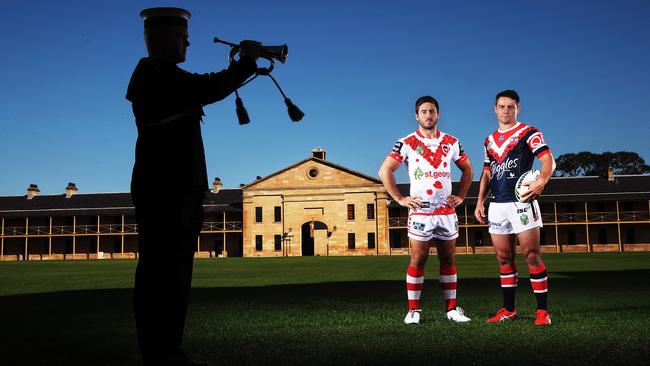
414 202
479 213
454 201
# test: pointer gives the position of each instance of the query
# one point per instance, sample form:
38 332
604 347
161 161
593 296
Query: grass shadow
601 317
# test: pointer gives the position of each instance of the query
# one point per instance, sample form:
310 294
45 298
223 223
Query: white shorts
513 217
426 227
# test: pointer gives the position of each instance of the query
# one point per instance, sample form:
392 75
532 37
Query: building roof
559 189
227 200
322 161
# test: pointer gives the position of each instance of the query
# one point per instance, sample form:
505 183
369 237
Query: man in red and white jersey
509 152
428 154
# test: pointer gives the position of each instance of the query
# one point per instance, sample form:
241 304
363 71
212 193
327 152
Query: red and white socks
448 281
414 284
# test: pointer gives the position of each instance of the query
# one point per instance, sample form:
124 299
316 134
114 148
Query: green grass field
331 311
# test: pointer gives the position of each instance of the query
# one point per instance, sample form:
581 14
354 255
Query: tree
588 163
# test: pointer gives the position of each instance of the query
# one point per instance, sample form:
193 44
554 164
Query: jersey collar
422 136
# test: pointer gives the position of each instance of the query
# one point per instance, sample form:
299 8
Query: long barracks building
316 207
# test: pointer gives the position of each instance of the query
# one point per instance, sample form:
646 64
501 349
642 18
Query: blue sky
355 68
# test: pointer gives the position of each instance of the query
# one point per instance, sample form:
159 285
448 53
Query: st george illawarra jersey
429 167
510 153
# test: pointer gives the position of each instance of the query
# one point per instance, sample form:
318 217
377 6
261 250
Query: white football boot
457 315
413 317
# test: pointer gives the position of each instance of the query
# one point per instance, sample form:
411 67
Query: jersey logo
417 174
498 169
445 148
536 141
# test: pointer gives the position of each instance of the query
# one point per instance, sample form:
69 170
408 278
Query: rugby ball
528 176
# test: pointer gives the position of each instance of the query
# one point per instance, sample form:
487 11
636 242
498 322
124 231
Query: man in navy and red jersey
509 152
428 154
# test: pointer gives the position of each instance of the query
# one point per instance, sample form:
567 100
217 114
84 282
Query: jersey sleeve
537 145
486 158
458 154
399 151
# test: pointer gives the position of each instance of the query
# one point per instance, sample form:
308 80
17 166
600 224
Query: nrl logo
419 150
524 219
417 174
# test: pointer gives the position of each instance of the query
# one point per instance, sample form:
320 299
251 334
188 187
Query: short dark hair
426 99
508 94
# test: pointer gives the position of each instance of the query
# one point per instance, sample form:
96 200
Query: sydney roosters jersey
510 153
429 167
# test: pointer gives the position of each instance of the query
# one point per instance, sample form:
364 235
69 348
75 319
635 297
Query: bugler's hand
250 48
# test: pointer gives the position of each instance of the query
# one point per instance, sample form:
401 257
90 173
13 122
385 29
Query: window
394 212
570 209
258 243
371 240
278 243
478 239
629 233
312 173
395 239
277 214
351 241
628 206
371 211
258 214
571 236
350 212
602 236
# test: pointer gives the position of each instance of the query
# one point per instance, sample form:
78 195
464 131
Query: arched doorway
312 237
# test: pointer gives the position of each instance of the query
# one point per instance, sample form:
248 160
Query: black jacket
168 102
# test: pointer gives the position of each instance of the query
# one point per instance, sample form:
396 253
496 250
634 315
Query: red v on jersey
499 144
500 138
434 158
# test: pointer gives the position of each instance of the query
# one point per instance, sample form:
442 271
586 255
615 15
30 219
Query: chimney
610 173
70 190
318 153
32 191
216 185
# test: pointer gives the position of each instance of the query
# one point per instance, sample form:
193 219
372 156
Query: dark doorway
308 236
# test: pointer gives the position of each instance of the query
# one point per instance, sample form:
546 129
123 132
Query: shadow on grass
342 322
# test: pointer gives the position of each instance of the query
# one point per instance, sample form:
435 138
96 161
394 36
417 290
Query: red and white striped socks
414 284
448 283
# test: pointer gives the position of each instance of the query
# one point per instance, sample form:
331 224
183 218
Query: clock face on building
312 172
